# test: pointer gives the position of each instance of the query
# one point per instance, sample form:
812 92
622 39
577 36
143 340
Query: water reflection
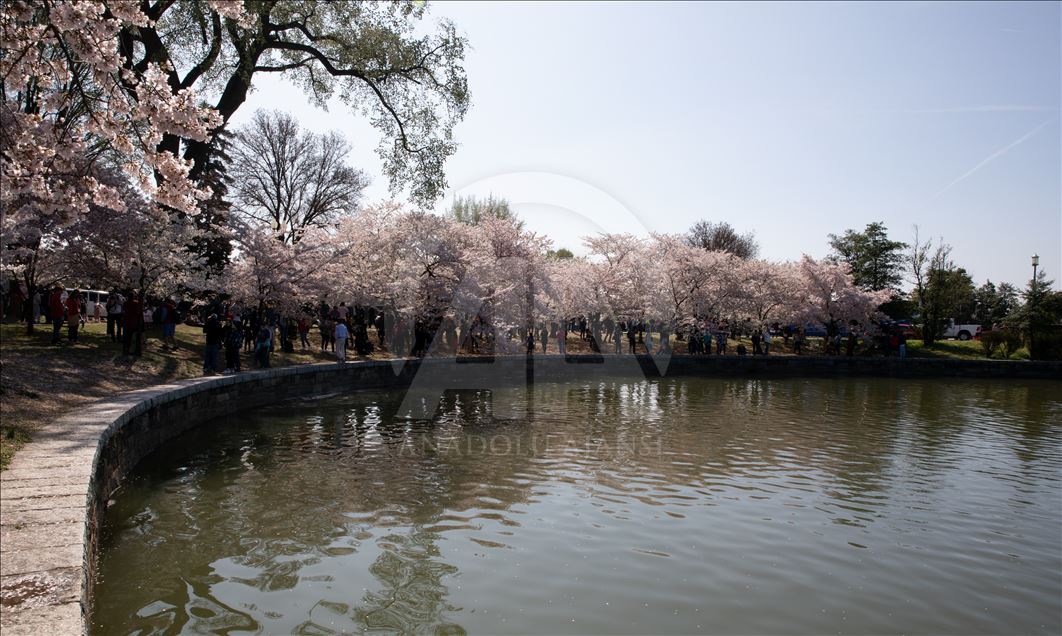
614 506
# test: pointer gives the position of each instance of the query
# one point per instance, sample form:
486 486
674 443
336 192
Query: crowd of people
231 330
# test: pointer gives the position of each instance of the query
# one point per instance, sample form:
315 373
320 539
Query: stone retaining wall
53 497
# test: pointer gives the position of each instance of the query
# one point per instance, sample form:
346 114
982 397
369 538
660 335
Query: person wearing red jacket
55 311
73 315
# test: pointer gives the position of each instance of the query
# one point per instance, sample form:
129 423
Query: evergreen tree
875 260
994 304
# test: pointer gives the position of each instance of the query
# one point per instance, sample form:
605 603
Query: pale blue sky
788 120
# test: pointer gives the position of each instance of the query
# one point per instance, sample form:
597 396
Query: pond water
625 506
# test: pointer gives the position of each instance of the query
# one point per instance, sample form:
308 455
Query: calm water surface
629 506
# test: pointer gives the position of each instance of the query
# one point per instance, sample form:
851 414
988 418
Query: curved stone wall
53 497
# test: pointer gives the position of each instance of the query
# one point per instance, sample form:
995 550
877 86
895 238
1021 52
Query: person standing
169 324
212 351
250 327
903 345
767 342
327 329
304 332
530 341
36 306
562 338
133 319
233 344
73 315
341 335
756 349
262 346
56 311
543 336
112 300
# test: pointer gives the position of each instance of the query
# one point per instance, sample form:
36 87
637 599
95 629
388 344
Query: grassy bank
957 350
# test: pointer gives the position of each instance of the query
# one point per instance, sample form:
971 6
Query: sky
791 121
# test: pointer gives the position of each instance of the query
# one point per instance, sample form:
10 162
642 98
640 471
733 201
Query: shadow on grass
955 350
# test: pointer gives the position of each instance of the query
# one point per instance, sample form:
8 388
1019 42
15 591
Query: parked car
906 327
962 332
817 330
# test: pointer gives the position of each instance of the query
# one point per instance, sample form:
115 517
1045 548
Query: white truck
962 332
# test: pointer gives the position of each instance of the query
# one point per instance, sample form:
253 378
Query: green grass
956 350
13 439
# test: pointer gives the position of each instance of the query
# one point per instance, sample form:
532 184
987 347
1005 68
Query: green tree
948 294
380 59
562 252
875 260
1040 318
994 304
471 210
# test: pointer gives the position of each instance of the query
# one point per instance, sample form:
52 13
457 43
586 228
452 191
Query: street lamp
1032 302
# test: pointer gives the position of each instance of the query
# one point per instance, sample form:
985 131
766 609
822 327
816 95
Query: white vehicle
92 298
962 332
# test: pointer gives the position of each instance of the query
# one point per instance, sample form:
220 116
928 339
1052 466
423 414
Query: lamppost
1032 301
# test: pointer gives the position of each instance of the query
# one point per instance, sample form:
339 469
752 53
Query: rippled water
630 506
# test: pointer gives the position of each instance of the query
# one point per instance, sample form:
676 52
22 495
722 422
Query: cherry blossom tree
506 268
67 96
68 108
769 291
368 242
134 248
383 60
268 273
831 298
692 282
570 287
619 280
432 259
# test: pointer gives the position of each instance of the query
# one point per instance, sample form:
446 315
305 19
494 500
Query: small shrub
1010 343
991 341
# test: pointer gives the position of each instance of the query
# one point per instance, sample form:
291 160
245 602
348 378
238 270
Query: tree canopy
292 179
472 210
721 237
875 260
948 294
375 57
